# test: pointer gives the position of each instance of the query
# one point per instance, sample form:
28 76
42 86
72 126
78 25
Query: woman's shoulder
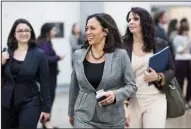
177 37
161 42
180 38
37 51
71 37
43 43
120 51
79 52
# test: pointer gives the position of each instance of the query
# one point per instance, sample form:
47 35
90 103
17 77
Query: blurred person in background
48 32
182 46
76 38
173 27
23 65
148 106
102 54
160 18
184 21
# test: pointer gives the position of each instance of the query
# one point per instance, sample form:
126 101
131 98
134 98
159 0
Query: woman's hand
44 117
150 76
110 98
71 120
62 57
5 57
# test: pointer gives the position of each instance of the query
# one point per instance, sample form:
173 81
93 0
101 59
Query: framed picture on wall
59 29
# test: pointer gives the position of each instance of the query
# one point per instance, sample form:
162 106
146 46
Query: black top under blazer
33 69
160 44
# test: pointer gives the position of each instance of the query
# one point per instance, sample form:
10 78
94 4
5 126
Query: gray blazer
117 76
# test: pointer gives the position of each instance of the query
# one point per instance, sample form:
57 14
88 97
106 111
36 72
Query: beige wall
179 13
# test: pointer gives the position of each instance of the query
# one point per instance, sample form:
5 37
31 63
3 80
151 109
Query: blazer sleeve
128 79
47 48
44 84
169 74
73 91
3 66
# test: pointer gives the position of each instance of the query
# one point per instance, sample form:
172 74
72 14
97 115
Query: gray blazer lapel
106 71
86 82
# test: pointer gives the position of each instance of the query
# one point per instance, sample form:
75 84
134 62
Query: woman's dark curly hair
148 29
12 42
113 38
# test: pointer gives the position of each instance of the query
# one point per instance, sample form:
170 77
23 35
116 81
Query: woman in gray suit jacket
101 64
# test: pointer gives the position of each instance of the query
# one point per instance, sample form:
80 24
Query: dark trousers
183 70
24 116
53 83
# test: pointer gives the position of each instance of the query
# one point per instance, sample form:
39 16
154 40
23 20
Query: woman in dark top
22 102
101 65
48 32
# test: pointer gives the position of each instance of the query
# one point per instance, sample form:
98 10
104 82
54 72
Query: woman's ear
106 31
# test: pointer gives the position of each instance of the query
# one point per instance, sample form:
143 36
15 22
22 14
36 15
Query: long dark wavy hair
12 43
45 33
113 38
148 30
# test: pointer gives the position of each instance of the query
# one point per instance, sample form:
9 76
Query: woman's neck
138 39
22 47
98 49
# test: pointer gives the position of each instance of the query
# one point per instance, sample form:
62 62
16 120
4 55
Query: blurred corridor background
64 15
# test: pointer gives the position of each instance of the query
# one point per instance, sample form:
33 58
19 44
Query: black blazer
34 69
169 74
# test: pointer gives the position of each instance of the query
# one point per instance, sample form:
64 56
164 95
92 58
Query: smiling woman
20 37
102 54
21 100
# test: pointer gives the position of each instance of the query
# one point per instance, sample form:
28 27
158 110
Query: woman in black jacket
23 65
